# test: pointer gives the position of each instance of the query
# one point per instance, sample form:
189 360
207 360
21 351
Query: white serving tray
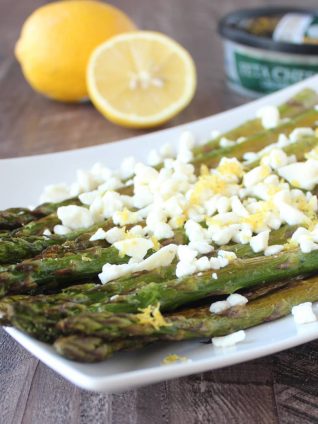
25 178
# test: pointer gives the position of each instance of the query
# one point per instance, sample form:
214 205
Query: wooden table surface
282 388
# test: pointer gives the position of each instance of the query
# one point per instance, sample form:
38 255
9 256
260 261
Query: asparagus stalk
13 249
39 320
93 349
187 325
256 142
37 275
13 218
41 274
302 101
17 217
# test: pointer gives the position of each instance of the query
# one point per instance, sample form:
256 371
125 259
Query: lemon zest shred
151 315
211 184
173 358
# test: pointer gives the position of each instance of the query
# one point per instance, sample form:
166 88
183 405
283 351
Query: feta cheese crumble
269 116
75 217
303 313
229 340
161 258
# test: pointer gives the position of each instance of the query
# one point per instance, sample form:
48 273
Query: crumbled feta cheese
260 242
185 146
299 133
47 232
273 250
223 204
225 142
55 193
229 256
269 115
214 276
203 264
202 247
114 234
256 175
185 155
75 217
219 307
230 340
250 156
185 268
61 230
88 197
137 231
303 313
126 217
275 159
127 167
186 140
162 231
194 231
301 174
238 208
186 254
154 158
161 258
222 236
166 151
99 235
243 235
136 248
236 299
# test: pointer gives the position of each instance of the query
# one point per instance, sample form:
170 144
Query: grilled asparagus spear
39 320
192 324
17 217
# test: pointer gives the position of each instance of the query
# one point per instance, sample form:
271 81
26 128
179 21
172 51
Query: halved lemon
140 79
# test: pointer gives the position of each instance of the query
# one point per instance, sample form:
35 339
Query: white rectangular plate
25 179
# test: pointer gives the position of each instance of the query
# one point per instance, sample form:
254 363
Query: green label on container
266 76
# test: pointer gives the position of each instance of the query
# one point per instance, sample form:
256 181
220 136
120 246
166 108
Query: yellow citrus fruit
57 40
140 79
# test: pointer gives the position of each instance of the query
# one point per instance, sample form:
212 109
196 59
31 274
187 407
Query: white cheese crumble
47 232
273 250
299 133
100 234
163 257
219 307
75 217
259 242
225 142
235 299
306 240
229 340
136 248
55 193
301 174
61 230
269 116
303 313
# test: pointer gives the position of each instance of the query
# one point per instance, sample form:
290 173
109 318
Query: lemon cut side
140 79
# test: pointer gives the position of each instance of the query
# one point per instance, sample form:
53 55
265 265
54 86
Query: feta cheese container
267 49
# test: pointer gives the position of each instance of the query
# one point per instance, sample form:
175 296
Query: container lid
230 27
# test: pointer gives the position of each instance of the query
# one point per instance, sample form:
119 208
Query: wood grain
279 389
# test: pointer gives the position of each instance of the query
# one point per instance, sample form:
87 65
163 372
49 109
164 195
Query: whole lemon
57 40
